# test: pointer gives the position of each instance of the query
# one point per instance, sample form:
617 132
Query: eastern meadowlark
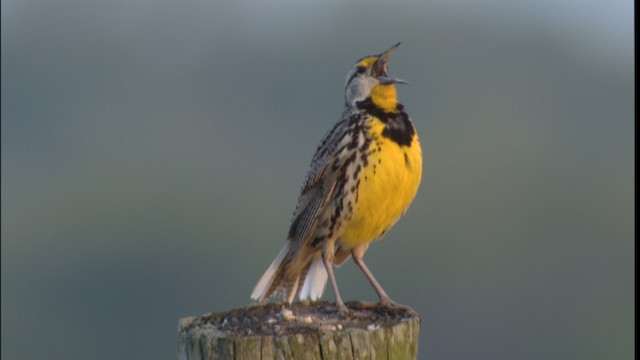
362 178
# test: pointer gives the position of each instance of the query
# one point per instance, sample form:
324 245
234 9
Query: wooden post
301 331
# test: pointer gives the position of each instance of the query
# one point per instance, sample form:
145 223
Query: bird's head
369 79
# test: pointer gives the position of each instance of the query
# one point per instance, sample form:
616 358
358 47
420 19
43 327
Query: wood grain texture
301 331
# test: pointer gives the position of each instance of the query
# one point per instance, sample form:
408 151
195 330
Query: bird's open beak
380 67
387 53
390 80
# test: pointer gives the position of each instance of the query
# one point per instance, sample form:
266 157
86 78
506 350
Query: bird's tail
290 274
315 280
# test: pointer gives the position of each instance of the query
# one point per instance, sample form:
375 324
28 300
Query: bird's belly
388 184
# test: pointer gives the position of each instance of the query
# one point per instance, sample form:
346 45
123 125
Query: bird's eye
359 70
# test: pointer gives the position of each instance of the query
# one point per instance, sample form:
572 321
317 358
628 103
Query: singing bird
362 178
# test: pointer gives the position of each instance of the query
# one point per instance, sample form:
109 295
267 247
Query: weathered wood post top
301 331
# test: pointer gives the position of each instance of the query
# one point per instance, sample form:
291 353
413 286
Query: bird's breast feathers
388 182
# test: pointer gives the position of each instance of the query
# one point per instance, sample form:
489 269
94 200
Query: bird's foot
387 302
343 310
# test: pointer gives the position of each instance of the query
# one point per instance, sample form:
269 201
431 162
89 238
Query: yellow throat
390 179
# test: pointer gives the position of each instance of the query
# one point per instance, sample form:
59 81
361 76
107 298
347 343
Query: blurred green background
152 154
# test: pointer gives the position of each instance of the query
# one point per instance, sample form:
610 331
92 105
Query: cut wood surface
301 331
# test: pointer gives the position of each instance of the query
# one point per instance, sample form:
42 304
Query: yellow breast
388 184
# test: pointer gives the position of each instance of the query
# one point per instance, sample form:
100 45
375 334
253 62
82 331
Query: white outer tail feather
267 278
315 281
312 288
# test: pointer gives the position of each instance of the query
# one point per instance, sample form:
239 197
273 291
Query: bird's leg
327 259
384 298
